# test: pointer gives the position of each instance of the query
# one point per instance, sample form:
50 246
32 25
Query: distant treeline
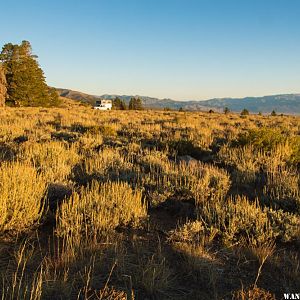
22 81
134 104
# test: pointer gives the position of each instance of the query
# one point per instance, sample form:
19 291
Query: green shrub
245 112
265 139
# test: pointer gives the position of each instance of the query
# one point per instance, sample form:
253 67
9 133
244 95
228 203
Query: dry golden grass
147 204
99 209
22 192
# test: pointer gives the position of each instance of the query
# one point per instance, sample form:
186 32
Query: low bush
107 164
253 293
263 138
238 220
22 191
54 160
190 232
98 209
107 131
281 190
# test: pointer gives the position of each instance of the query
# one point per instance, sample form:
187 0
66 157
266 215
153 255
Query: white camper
103 104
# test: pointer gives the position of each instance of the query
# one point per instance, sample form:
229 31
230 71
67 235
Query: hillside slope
287 103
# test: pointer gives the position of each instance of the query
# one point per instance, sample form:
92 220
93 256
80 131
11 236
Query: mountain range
286 103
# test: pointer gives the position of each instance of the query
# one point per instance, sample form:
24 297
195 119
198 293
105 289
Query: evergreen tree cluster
245 112
226 110
119 104
135 104
25 80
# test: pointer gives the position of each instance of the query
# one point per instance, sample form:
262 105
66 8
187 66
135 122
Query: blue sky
181 49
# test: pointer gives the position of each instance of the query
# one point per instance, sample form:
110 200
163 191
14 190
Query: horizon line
184 100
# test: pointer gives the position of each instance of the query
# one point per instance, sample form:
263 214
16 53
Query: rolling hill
287 103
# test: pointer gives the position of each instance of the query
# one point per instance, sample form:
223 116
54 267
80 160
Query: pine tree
132 104
245 112
226 110
26 84
2 87
138 104
119 104
135 104
123 105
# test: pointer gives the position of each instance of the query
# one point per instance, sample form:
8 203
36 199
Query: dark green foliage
135 104
226 110
273 113
54 99
65 136
26 84
265 139
186 147
211 111
245 112
167 109
119 104
180 109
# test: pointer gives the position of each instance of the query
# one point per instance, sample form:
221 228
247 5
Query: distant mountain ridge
286 103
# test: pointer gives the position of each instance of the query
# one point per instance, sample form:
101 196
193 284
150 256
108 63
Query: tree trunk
2 87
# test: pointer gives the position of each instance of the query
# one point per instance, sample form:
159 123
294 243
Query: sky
179 49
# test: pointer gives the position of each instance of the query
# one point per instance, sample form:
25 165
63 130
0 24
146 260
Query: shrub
237 220
265 138
253 293
185 147
99 209
197 182
286 226
226 110
107 131
154 276
21 197
295 145
190 232
282 189
245 112
103 166
65 136
245 160
53 159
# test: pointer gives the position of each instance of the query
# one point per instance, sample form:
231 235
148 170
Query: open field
148 205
